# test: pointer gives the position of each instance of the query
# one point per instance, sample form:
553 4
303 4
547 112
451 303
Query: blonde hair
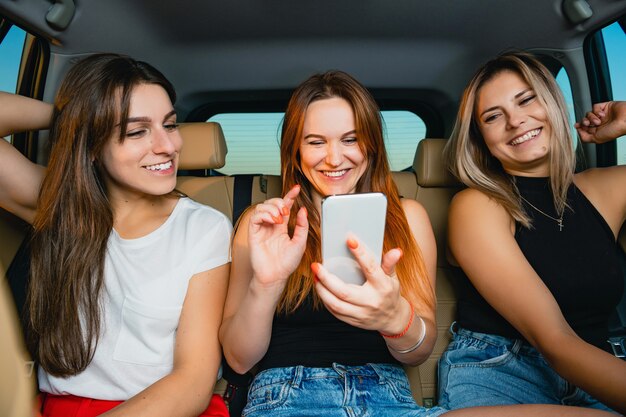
411 270
471 162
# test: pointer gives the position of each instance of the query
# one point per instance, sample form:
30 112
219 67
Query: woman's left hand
605 122
375 305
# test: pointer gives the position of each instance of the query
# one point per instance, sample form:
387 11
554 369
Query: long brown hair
74 217
411 271
469 158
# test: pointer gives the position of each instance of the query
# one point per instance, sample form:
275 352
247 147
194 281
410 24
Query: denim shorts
482 369
371 390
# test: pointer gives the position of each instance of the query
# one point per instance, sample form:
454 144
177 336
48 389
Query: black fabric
236 393
316 338
242 195
237 384
18 276
579 265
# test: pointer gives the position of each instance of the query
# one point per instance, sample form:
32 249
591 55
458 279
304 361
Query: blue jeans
372 390
482 369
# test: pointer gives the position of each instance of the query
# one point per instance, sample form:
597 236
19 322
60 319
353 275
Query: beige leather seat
204 148
433 186
17 382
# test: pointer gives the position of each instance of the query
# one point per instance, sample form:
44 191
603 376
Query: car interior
234 65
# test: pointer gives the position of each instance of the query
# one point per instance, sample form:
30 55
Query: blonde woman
538 245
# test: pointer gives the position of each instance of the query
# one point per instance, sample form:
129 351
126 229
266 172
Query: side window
563 80
10 55
615 44
254 140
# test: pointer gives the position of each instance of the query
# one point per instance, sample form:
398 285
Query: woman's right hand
273 253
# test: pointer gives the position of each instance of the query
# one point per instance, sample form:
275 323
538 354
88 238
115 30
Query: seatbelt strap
242 194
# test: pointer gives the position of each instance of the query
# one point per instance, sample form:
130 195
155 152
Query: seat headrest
204 146
429 165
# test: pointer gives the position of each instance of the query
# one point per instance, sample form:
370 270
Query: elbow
236 364
234 359
551 345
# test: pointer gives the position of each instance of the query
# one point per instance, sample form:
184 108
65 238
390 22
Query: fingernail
353 244
285 211
278 219
306 212
315 268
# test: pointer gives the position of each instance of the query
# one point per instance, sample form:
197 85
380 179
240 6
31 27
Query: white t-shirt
145 285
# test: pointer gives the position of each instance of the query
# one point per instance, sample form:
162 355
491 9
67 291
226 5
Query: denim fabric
482 369
378 390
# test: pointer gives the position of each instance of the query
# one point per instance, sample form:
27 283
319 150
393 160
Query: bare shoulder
471 207
471 199
241 227
414 211
601 179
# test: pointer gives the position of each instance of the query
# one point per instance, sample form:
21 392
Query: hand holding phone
352 215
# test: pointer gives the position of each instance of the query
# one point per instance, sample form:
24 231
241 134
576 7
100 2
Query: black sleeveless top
579 265
315 338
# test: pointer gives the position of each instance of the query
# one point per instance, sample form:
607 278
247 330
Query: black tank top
315 338
579 265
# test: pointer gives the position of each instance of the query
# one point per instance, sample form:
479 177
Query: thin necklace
559 221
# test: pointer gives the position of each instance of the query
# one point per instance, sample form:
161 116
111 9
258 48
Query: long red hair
411 270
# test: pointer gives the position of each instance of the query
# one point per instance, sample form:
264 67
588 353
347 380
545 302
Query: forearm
593 370
181 393
245 336
21 114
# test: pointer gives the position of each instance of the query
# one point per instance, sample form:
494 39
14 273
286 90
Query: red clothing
73 406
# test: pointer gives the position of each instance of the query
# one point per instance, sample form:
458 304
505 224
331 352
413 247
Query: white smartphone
361 215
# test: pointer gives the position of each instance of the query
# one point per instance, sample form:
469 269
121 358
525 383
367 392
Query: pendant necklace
559 221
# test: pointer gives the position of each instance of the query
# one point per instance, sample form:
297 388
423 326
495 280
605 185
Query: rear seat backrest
204 148
435 188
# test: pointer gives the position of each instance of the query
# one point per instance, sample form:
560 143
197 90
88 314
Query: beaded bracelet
419 341
406 329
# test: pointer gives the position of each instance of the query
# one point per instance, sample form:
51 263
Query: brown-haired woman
322 347
128 277
538 244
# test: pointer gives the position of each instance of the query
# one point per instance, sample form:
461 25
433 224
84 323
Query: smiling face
330 156
514 124
145 161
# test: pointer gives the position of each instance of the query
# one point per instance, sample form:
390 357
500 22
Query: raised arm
500 272
604 187
186 391
20 179
264 256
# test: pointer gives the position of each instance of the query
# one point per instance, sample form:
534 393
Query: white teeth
335 173
525 137
159 167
